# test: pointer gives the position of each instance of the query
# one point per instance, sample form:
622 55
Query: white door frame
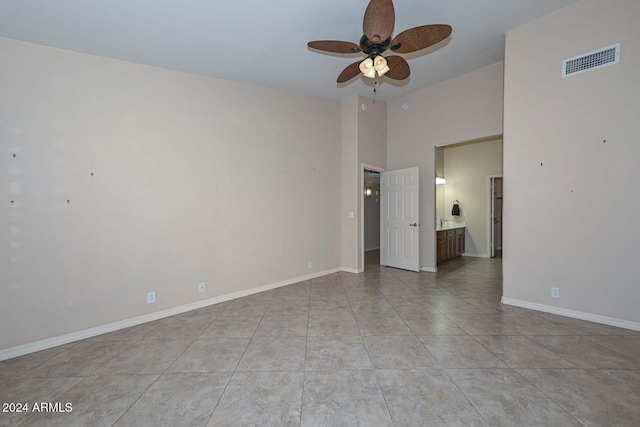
363 168
490 211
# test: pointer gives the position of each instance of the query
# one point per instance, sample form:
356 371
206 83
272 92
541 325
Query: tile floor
387 347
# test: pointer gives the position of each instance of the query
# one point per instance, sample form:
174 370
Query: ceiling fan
379 19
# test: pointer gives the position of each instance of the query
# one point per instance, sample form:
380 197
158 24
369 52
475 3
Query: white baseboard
611 321
429 269
351 270
476 255
371 249
44 344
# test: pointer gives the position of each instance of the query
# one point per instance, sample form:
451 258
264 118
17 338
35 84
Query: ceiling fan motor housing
373 49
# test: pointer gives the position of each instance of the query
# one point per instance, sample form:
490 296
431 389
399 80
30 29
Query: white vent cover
592 60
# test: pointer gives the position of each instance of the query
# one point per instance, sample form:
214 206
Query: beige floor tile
210 312
586 398
134 333
232 326
296 291
504 398
625 380
337 352
288 307
260 398
434 324
586 354
21 367
274 354
283 326
85 359
582 327
460 352
330 324
382 324
341 329
29 391
145 357
246 307
97 401
413 307
179 328
177 400
398 352
521 352
625 345
426 398
483 324
343 398
211 355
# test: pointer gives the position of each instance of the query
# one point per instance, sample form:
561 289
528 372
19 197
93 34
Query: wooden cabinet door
442 250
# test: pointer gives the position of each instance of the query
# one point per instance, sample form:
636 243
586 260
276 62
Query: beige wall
350 171
364 142
372 152
464 108
467 168
570 197
181 165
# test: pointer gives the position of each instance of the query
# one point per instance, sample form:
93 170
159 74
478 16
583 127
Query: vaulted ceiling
264 43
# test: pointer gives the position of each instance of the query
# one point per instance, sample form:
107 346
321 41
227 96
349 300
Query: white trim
429 269
605 320
476 255
44 344
351 270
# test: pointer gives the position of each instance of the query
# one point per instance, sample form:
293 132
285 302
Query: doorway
371 217
495 217
463 171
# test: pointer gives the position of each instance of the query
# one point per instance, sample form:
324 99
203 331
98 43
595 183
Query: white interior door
399 219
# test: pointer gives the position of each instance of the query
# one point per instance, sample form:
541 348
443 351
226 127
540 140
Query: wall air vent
592 60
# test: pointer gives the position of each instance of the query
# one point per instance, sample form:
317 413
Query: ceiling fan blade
418 38
350 72
398 68
334 46
379 19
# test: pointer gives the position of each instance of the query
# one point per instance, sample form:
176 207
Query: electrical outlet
555 292
310 264
151 298
201 287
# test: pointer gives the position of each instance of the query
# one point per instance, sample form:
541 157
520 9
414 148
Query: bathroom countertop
450 226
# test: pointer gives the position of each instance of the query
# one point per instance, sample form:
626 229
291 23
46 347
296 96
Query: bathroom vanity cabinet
450 243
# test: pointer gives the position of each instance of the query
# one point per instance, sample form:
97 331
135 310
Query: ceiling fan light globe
380 64
383 71
366 65
367 68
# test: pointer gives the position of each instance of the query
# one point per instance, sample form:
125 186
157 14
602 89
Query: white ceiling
265 42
